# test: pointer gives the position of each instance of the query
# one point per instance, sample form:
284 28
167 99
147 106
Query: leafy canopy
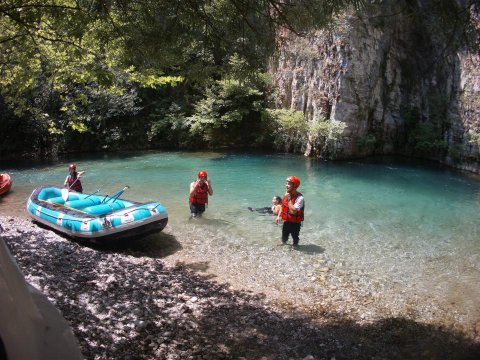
62 61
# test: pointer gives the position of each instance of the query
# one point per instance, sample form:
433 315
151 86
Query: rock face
396 83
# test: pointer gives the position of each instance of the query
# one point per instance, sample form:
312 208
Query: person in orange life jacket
293 205
72 181
199 191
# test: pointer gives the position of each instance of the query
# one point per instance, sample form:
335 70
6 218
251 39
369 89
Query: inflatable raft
5 183
96 218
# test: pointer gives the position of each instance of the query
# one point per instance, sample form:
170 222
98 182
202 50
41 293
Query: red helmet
294 180
72 166
202 173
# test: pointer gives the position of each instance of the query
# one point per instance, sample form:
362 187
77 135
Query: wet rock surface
126 302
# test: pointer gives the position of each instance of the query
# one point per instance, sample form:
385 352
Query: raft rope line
85 221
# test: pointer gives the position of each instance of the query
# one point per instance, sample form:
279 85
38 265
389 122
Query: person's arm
65 183
278 218
298 204
210 190
193 188
291 206
80 173
279 214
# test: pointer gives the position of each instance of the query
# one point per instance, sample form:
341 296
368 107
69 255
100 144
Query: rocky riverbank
128 302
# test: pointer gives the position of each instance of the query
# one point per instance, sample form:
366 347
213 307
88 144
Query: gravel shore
129 302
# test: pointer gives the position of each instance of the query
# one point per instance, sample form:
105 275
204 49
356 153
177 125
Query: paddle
116 195
65 191
65 194
61 205
92 194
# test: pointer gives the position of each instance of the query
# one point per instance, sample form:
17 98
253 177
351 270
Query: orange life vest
286 216
201 195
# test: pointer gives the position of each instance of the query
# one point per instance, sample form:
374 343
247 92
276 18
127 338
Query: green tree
289 128
74 65
230 114
323 135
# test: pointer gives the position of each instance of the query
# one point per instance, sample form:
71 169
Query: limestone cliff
397 86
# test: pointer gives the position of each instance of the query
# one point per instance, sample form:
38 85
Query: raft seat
56 200
103 209
49 194
82 203
54 195
59 199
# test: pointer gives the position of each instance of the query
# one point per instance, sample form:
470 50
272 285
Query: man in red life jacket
293 205
72 180
199 191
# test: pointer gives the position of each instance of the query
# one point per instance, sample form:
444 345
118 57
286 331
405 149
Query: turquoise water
369 200
402 223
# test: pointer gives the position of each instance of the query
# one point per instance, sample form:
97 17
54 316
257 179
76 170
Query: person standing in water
199 191
72 181
293 205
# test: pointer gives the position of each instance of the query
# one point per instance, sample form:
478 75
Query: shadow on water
199 266
196 267
220 323
209 221
310 249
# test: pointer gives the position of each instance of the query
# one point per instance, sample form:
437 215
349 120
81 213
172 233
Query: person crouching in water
199 191
276 205
274 209
72 181
293 205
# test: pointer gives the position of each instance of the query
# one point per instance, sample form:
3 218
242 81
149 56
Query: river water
406 235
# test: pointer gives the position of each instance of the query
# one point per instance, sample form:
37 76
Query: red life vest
201 195
286 216
72 185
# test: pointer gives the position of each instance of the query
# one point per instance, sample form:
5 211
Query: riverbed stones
125 303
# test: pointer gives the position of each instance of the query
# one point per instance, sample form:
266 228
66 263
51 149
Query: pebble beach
164 297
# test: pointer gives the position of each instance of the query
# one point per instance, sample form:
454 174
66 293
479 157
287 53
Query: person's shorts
197 208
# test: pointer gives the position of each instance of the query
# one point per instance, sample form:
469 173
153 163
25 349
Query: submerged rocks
125 302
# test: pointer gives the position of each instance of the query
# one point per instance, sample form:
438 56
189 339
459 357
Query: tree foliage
181 73
62 52
451 23
75 66
289 128
231 113
323 135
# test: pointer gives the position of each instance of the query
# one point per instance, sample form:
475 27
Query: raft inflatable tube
97 218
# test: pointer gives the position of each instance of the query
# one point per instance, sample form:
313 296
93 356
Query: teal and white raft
97 218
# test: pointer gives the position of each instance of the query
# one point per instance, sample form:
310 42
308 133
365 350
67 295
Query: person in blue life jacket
293 205
274 209
199 192
72 181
